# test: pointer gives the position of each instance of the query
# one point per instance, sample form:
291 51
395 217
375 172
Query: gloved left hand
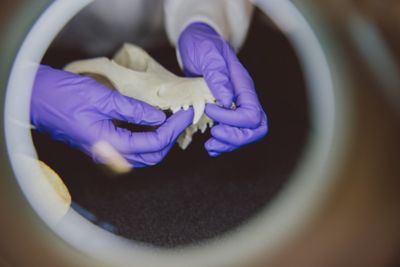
239 113
79 111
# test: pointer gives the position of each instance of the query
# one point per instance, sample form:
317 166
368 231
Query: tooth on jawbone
203 128
135 74
175 109
198 107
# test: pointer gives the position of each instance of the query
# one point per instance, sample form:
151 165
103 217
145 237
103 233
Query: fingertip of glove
159 117
209 146
153 118
180 120
226 100
188 114
214 154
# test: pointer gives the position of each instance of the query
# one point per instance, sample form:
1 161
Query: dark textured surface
191 197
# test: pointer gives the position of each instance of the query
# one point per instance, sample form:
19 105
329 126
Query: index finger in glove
124 108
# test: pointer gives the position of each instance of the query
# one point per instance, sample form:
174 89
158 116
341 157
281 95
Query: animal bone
136 74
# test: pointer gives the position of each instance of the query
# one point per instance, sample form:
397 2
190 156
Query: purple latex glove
79 111
239 113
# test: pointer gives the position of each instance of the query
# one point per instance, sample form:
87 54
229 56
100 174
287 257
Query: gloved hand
79 111
239 113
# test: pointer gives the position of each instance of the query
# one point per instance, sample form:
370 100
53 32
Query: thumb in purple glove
203 51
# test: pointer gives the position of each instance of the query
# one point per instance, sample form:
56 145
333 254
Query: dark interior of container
191 197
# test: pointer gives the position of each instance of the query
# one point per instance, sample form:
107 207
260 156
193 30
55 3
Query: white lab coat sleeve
230 18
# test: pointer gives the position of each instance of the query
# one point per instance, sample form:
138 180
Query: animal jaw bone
136 74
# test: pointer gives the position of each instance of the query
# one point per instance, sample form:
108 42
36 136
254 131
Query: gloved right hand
79 111
205 53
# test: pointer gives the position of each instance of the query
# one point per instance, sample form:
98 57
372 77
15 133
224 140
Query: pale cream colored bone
136 74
